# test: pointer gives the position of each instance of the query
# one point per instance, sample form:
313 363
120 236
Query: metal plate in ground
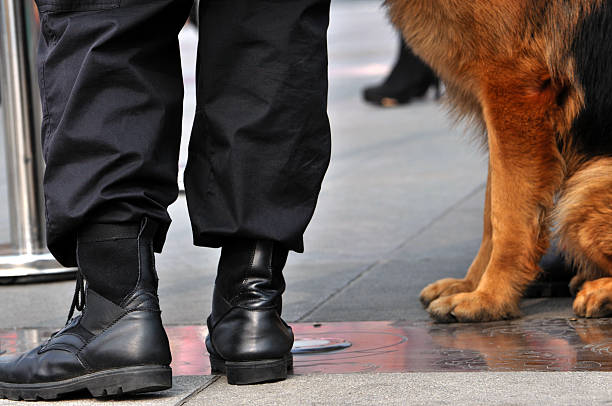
306 345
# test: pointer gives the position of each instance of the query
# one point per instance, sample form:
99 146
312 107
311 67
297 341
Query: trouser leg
261 140
111 90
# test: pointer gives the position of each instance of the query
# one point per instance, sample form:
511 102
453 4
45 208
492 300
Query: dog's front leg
451 286
525 172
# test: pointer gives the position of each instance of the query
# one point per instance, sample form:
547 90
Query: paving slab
527 344
510 388
389 289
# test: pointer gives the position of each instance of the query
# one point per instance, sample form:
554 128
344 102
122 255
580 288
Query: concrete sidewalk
512 388
401 206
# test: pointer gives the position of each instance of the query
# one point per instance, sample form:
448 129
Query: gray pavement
401 206
521 388
456 388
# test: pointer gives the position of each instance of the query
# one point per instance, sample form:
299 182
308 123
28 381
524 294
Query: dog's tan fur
507 64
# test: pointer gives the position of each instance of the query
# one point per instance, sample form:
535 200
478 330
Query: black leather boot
248 341
409 79
117 344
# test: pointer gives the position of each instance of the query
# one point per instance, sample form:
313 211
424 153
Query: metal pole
26 257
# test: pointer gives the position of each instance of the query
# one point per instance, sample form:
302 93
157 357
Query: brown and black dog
537 76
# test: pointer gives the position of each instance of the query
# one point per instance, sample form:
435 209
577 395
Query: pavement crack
197 391
383 260
337 292
436 219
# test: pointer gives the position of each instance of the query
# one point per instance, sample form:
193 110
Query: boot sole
99 384
252 372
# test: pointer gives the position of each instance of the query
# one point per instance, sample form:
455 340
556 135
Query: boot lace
78 303
78 300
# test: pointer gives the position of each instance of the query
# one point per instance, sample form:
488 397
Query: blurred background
400 207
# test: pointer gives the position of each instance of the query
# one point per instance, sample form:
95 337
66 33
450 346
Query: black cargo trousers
111 89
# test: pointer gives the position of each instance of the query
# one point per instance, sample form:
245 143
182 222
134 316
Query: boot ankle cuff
97 232
106 232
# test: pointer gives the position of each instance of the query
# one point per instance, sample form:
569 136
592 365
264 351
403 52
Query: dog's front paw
594 299
444 287
471 307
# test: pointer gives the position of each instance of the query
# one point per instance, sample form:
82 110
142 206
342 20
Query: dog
536 76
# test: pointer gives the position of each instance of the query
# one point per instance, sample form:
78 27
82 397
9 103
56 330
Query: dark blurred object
409 79
555 278
193 14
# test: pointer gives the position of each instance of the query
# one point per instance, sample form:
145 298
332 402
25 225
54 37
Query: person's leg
112 93
259 149
112 96
261 139
409 79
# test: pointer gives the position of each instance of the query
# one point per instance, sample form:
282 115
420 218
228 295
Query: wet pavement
541 345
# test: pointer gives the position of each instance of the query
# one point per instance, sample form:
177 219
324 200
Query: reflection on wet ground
520 345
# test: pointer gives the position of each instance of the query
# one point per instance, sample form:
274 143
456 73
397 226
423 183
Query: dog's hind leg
584 215
519 103
451 286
